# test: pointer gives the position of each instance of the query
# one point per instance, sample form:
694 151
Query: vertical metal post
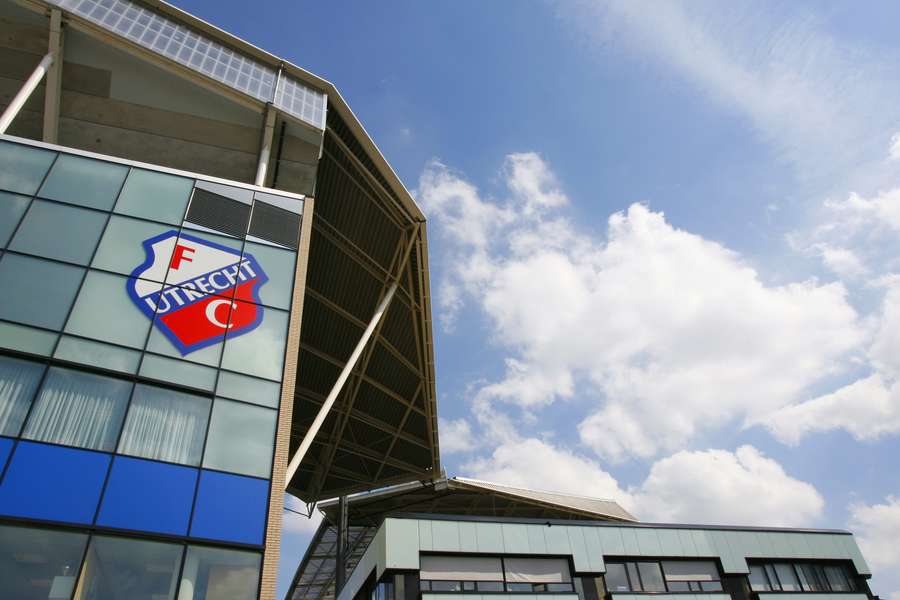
24 93
265 147
343 546
53 87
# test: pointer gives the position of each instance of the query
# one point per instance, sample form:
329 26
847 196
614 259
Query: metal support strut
25 92
333 394
343 545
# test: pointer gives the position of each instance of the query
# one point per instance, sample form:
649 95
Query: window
806 577
37 564
494 574
104 311
23 167
165 425
66 233
261 351
241 438
663 576
18 382
116 568
216 574
12 207
84 181
279 266
78 409
37 292
156 196
691 576
121 249
537 575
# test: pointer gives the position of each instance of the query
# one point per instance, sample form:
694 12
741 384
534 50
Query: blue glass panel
53 483
12 207
148 496
230 508
37 292
6 445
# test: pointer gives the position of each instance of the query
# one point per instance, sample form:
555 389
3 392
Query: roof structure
367 230
314 579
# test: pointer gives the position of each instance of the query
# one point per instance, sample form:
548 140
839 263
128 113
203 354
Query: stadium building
214 289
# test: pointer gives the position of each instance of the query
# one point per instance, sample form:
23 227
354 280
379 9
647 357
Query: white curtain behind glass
18 382
79 409
165 425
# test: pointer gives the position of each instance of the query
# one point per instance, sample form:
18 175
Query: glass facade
142 344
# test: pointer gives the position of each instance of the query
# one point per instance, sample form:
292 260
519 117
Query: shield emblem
209 290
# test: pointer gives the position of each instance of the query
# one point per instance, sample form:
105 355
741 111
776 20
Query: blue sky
663 242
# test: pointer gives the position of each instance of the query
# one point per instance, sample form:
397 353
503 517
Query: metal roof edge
588 523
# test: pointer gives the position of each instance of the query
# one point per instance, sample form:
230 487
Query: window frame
634 572
775 586
426 587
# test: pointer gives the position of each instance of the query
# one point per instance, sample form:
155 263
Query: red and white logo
209 290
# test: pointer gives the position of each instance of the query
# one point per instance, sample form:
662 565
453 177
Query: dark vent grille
275 224
219 213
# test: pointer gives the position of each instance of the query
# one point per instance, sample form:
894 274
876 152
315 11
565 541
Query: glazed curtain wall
143 318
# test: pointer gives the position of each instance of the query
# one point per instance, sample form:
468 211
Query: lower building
480 541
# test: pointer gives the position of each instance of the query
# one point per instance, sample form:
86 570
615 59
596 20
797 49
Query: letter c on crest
211 313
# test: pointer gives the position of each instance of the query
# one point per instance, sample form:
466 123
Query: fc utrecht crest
201 299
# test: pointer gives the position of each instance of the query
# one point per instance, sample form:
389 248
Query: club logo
209 290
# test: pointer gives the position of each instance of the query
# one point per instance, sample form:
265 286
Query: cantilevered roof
314 579
463 496
367 230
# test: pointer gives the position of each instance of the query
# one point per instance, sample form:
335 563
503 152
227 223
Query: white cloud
841 261
877 529
660 332
536 464
456 436
709 486
716 486
817 98
867 408
894 150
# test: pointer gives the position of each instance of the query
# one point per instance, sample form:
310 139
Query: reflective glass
37 292
117 568
39 564
278 264
165 425
121 248
217 574
261 351
19 380
838 579
12 207
97 354
241 438
178 371
27 339
161 344
158 196
248 389
787 577
104 311
651 577
616 578
78 409
22 168
58 231
85 181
